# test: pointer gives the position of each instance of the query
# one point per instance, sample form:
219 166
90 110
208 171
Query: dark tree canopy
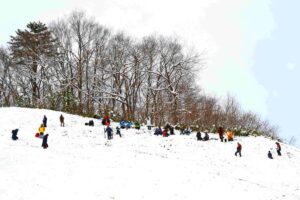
29 45
29 49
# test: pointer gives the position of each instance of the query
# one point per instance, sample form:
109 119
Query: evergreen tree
31 49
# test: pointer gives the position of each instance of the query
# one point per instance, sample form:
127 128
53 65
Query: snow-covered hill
81 164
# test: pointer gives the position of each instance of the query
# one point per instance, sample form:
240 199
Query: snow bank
81 164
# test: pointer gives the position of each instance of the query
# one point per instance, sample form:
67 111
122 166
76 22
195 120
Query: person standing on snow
45 140
106 121
229 135
172 130
41 130
221 133
118 131
149 124
62 120
45 121
278 148
238 149
109 132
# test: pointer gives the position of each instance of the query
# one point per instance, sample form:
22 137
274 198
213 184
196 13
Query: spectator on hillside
198 135
118 131
123 124
137 125
41 130
221 133
158 131
172 130
45 140
45 121
90 123
62 120
109 132
278 148
238 149
229 135
270 155
14 134
106 120
149 123
165 133
187 131
206 136
129 124
181 130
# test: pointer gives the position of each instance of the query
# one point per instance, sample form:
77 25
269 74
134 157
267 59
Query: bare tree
7 89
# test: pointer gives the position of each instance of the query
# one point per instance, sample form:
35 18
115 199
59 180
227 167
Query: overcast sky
251 45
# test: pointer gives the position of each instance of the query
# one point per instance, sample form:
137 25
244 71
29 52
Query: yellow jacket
41 129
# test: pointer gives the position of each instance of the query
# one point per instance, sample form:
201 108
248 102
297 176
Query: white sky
226 30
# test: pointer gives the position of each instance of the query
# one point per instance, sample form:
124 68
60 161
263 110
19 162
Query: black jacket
45 138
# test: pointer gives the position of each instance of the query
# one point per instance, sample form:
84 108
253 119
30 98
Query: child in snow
106 121
109 132
45 121
206 136
41 130
45 144
123 124
238 149
137 125
229 136
199 136
118 131
172 130
14 134
278 148
187 131
270 155
158 131
165 133
62 120
129 124
91 123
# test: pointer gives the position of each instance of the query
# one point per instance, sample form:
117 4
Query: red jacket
278 146
165 133
106 120
239 146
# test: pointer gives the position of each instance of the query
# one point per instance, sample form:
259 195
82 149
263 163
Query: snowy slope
81 164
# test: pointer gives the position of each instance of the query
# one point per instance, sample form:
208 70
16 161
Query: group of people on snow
41 131
205 138
278 149
229 134
168 130
158 131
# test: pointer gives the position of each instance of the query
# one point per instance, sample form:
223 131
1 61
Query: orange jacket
229 135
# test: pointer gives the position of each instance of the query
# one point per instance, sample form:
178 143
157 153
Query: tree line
78 66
